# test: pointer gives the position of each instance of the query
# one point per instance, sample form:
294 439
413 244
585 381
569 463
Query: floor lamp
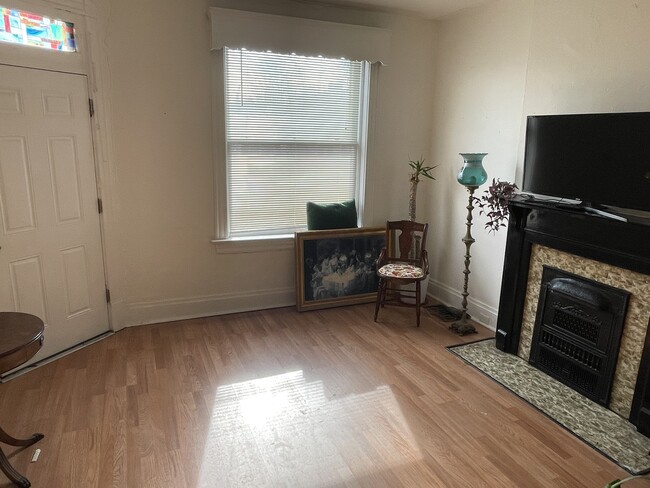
471 175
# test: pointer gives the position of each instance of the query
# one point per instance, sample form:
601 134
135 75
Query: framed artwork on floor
337 267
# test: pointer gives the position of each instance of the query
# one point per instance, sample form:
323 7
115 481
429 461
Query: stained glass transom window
30 29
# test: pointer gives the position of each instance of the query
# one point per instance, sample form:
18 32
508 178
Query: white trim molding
180 308
242 245
256 31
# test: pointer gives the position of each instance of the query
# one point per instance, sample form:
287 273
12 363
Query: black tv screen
600 159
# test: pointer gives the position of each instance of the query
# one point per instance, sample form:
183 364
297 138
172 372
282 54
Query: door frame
87 32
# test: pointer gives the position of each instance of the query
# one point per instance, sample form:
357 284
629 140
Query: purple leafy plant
494 203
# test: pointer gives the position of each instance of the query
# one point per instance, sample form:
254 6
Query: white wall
499 63
589 56
161 214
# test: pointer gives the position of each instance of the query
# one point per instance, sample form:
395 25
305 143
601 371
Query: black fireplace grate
578 331
577 325
581 379
570 350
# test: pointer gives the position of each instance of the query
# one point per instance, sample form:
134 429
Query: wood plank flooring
282 399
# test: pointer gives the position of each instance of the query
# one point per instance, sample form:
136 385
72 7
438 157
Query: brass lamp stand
471 175
462 326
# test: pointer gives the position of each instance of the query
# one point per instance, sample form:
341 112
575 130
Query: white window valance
255 31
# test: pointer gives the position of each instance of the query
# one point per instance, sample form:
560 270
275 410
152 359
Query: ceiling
430 9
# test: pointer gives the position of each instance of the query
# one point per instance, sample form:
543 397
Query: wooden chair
402 262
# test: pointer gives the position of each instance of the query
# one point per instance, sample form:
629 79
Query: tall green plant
419 171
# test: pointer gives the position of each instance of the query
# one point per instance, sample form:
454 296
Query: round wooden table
21 336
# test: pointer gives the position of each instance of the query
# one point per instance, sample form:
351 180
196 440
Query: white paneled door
50 246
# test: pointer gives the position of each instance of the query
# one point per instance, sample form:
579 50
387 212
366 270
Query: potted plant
617 483
494 203
419 170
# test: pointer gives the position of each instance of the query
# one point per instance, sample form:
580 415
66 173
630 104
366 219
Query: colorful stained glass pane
35 30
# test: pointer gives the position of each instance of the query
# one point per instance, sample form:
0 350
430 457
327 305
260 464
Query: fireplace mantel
622 244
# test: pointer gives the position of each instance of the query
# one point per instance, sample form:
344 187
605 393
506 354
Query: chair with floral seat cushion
402 262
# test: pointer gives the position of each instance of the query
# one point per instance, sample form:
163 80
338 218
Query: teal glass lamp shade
472 173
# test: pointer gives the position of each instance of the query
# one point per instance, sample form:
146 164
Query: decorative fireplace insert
578 332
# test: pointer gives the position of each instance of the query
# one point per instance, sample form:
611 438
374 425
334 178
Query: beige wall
499 63
161 217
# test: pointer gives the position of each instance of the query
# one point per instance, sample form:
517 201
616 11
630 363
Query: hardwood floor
285 399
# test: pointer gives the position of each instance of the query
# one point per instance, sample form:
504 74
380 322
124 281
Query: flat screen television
603 160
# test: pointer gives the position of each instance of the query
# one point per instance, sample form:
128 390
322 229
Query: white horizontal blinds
292 134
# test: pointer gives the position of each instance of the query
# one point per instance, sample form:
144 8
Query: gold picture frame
337 267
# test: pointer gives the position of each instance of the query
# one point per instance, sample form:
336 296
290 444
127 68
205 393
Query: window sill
243 245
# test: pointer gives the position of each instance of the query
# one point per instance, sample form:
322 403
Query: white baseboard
128 314
480 311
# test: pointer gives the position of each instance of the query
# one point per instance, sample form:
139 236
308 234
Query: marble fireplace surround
607 251
636 319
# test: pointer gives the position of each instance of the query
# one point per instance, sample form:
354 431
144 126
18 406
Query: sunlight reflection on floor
283 431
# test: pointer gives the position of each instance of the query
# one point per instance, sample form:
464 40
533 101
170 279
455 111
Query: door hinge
91 107
100 205
108 295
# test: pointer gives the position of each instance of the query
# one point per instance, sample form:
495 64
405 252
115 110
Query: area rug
602 429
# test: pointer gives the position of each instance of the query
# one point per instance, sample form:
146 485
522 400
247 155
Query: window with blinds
295 132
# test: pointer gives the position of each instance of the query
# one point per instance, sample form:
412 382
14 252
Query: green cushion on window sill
323 216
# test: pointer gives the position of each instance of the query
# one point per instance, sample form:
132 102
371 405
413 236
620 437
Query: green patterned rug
602 429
